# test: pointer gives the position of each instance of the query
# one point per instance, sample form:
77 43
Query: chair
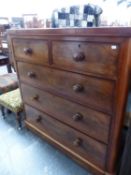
8 82
4 55
12 101
1 36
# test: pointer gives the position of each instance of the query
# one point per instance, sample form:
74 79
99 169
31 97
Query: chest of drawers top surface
74 88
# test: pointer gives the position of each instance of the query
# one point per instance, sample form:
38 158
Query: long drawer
79 143
31 50
86 57
90 122
93 92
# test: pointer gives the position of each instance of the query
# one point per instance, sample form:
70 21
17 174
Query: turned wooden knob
78 88
77 117
28 51
35 97
31 74
80 56
77 142
39 118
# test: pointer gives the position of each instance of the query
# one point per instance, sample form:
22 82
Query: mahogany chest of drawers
74 88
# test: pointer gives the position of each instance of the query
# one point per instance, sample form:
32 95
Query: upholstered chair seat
12 101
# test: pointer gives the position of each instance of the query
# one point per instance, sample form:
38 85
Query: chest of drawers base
83 162
74 87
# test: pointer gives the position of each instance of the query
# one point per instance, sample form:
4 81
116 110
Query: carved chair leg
19 122
2 111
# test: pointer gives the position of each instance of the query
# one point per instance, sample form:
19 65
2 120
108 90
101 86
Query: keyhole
79 45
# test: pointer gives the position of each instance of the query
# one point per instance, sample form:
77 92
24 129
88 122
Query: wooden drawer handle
80 56
39 118
78 88
77 142
28 51
31 74
77 117
35 97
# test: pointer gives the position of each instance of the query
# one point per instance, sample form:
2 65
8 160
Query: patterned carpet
24 153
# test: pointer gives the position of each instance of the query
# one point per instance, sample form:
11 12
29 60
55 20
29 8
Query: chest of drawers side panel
120 104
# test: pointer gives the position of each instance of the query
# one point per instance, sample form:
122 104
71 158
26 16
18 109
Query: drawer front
31 50
79 143
92 92
86 57
90 122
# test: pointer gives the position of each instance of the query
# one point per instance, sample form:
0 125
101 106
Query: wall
111 12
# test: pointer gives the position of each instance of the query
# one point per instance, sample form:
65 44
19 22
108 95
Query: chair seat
12 100
8 82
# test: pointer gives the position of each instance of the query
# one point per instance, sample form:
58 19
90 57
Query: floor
24 153
3 70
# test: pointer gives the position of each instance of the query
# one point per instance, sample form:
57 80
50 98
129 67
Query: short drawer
31 50
91 92
88 148
92 123
96 58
